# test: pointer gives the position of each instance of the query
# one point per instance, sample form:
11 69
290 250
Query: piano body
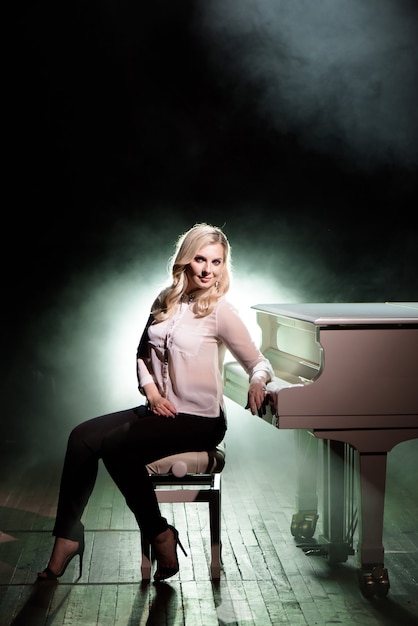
347 382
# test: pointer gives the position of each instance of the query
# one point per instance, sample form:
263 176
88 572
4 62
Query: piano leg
371 448
373 576
338 501
303 524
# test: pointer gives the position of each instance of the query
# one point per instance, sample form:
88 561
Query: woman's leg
127 450
126 441
80 468
77 481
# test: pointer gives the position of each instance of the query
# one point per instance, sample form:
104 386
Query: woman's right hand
157 403
162 406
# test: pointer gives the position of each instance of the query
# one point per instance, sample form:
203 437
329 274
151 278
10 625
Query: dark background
293 125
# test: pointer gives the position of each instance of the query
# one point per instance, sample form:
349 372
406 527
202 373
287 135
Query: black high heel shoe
48 574
163 573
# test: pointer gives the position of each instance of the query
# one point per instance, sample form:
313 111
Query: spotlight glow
101 321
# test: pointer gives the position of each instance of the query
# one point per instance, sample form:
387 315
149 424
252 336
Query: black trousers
126 441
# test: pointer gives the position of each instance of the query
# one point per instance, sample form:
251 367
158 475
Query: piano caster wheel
374 580
303 525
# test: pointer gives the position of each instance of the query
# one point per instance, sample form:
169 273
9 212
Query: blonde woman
179 366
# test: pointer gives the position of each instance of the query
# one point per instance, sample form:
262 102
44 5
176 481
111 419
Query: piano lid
346 313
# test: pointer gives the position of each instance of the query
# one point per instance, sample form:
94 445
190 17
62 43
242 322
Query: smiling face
206 267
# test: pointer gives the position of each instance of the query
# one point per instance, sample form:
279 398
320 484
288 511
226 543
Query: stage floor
266 578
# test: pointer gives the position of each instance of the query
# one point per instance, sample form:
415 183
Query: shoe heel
176 537
181 546
80 567
163 573
48 574
81 556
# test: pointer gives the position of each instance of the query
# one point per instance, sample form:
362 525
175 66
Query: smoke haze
293 125
341 74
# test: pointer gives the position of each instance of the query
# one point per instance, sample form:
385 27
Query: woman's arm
235 335
157 403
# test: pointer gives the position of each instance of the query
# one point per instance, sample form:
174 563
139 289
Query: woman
179 364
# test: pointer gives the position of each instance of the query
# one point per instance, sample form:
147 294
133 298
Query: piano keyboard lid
346 313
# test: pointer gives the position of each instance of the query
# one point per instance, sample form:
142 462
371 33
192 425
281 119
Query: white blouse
186 355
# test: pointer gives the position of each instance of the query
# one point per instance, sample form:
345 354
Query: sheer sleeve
235 335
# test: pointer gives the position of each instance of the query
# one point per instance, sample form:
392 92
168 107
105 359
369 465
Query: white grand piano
347 377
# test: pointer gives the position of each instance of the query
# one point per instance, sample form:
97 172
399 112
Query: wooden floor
266 578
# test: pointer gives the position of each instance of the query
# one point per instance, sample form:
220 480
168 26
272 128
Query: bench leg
214 499
146 560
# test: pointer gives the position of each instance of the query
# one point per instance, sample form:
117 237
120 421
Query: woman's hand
157 403
257 398
162 406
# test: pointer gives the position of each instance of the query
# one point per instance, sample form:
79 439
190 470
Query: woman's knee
77 435
85 435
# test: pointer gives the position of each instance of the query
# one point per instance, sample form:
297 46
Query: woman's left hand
257 398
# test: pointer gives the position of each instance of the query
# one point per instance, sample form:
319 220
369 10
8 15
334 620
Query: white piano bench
190 477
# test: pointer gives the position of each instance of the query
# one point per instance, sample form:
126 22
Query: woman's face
206 267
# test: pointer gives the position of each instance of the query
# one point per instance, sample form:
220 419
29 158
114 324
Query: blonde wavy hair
187 247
